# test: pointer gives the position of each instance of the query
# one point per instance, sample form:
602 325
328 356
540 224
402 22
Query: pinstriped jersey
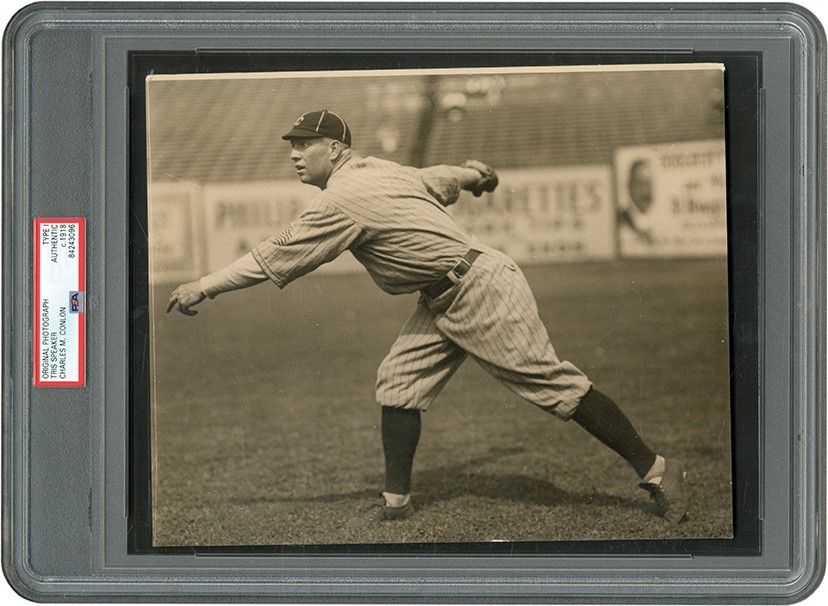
385 215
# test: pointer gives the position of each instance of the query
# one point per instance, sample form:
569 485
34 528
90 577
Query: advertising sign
238 216
175 232
672 200
544 215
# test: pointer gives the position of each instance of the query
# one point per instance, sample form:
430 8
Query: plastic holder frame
66 453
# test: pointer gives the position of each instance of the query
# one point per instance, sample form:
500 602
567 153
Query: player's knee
404 406
395 398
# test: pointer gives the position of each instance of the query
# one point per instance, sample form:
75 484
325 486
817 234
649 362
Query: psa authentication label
59 303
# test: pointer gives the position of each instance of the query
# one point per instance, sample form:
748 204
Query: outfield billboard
238 216
545 215
175 232
672 200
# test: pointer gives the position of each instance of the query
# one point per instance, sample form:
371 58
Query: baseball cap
320 123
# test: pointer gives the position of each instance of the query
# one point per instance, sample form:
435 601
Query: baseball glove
488 177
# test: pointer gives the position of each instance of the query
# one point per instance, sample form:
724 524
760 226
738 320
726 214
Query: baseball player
474 301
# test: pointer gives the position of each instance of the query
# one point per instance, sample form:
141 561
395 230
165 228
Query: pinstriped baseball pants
490 315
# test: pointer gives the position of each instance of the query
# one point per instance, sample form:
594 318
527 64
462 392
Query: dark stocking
400 435
601 417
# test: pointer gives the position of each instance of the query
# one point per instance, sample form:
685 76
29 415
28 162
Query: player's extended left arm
444 182
242 273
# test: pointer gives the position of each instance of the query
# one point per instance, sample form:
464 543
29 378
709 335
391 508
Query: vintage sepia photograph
434 306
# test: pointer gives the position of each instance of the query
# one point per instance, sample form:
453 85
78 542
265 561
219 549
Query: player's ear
335 148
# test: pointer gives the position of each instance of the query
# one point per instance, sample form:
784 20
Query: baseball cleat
381 512
671 501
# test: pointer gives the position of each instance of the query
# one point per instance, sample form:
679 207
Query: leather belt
454 275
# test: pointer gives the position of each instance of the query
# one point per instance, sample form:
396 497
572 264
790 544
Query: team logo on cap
299 121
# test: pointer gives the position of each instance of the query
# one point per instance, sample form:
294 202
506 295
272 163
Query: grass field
266 431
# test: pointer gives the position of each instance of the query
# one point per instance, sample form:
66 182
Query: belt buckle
460 269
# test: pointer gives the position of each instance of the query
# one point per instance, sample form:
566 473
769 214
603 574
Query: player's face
312 160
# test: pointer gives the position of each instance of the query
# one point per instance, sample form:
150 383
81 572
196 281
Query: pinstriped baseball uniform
384 214
393 223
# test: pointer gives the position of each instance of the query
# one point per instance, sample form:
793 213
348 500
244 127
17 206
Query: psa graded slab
520 303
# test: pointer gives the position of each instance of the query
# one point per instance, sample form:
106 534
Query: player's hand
186 296
488 177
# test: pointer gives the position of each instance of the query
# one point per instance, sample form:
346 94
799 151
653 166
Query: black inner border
742 85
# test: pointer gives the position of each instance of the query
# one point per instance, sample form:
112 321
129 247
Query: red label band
59 329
